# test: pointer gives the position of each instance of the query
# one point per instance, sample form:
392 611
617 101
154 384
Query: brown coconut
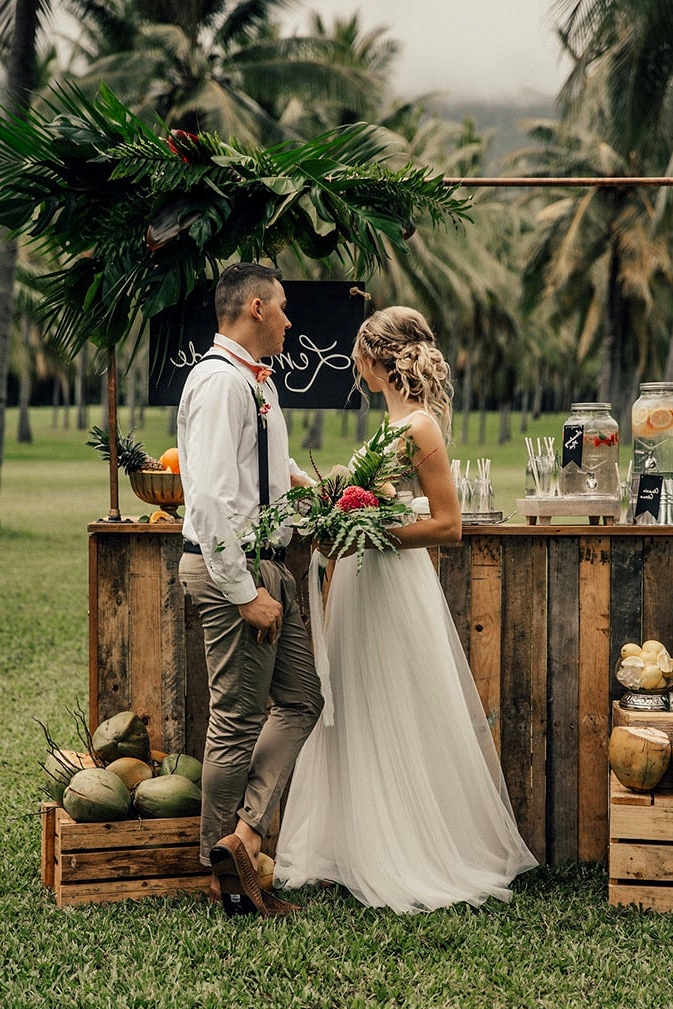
639 756
131 770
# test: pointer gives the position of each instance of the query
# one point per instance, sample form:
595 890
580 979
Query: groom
233 448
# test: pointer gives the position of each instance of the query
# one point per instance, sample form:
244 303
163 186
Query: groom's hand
265 613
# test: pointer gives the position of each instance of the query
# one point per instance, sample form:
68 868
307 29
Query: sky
467 49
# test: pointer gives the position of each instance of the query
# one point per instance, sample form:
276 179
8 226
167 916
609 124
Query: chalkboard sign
649 495
573 435
315 368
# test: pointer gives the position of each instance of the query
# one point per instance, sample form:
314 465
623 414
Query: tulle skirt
401 799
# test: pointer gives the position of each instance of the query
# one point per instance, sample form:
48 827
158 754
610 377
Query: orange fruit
661 418
170 460
160 516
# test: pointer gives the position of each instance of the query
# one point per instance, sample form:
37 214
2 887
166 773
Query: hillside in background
504 124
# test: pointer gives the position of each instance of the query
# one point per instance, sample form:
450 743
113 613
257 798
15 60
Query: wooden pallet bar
542 612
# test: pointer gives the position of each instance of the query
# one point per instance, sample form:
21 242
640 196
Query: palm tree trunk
80 389
467 399
20 82
610 345
313 437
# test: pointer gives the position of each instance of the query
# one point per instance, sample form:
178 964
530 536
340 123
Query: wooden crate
641 847
92 863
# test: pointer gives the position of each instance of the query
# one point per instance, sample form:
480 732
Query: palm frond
140 221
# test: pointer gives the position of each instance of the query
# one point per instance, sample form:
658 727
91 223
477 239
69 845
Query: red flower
179 140
356 497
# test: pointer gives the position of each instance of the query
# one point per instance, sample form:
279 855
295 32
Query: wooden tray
543 509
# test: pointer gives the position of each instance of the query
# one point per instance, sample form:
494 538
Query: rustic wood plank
198 695
111 627
656 898
641 823
518 648
131 864
145 644
485 624
173 656
626 600
48 817
644 862
593 698
455 577
657 582
538 840
563 710
95 580
136 833
103 893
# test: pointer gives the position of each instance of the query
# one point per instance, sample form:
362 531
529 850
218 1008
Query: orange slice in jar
639 419
660 418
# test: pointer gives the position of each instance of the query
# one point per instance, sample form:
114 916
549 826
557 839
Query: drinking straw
533 465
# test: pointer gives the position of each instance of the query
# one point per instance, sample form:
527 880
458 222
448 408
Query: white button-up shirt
217 443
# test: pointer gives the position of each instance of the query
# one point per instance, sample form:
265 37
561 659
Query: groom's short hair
238 284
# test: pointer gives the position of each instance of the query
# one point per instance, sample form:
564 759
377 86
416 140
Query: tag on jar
573 436
649 495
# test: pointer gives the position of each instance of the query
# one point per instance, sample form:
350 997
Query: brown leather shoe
275 906
239 885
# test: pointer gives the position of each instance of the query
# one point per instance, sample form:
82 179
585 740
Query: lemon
651 678
664 661
633 662
630 648
652 645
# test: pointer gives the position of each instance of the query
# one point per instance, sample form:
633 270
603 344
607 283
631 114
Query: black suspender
262 439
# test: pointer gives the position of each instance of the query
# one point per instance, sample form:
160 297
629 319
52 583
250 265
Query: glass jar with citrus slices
590 460
652 428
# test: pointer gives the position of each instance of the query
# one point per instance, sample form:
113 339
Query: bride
401 799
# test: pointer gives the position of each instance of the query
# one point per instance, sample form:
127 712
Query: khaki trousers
249 755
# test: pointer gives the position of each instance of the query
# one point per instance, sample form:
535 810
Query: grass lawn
557 944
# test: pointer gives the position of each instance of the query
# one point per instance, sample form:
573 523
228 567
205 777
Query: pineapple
131 454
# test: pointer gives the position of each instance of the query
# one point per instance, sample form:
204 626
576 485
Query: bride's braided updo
401 340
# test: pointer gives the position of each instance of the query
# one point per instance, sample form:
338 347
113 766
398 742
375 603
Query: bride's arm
444 526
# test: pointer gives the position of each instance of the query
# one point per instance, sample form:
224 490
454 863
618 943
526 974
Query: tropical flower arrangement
350 507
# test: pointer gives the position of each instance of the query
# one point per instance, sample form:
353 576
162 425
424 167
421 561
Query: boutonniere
262 406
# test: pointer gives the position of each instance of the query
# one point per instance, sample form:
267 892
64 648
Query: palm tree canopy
144 221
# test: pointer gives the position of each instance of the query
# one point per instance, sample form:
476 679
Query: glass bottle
652 429
590 447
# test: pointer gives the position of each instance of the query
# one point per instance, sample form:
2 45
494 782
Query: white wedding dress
401 799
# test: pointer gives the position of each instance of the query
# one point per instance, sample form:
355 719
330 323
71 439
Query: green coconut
122 735
166 796
96 795
60 766
182 763
131 770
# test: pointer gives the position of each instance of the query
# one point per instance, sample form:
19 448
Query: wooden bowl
164 490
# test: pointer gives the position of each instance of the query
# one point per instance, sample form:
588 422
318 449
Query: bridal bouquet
352 506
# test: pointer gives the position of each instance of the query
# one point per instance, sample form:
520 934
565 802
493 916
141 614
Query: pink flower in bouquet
357 497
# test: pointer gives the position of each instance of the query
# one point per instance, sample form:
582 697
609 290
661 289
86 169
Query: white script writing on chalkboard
310 361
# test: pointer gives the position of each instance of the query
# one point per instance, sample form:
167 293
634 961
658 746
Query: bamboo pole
574 181
114 514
